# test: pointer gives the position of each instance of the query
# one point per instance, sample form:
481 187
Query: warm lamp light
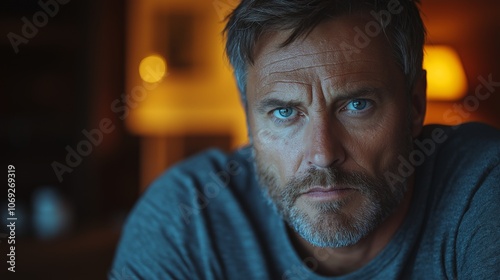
152 68
445 74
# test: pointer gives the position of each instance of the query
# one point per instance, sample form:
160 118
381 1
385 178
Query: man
341 178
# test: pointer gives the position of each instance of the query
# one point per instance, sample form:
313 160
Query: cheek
265 139
276 153
376 149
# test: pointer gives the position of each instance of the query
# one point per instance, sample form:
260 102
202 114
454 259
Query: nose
323 143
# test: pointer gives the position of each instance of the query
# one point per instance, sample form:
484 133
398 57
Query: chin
335 225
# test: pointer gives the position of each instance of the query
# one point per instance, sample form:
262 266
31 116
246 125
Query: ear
418 104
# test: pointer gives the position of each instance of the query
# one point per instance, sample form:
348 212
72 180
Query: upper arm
157 242
478 246
145 250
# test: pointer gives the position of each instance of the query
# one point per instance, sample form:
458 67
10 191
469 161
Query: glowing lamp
152 68
446 79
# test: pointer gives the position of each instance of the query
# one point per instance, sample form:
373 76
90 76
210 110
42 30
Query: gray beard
331 226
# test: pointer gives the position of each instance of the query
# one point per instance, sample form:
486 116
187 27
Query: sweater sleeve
164 236
478 246
146 250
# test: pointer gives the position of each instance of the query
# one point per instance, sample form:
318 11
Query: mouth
328 193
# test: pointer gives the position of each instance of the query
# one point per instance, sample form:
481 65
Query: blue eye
358 105
284 113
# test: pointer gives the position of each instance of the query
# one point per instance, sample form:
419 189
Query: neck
341 261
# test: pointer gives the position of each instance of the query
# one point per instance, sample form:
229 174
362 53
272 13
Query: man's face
327 121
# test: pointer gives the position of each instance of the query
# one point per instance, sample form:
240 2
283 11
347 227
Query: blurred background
99 97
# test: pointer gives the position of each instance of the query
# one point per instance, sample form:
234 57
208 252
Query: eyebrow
267 103
358 93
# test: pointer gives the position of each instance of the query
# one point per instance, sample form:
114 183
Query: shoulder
470 147
459 198
459 158
202 172
472 177
461 171
191 185
171 221
468 136
209 161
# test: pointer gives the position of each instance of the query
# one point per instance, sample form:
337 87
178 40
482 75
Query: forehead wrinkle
336 64
345 74
286 82
308 67
303 68
295 56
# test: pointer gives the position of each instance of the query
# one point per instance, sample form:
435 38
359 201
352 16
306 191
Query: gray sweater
207 219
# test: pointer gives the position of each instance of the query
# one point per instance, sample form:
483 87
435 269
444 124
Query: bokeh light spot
152 68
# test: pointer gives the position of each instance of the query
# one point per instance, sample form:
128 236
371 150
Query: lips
326 189
327 193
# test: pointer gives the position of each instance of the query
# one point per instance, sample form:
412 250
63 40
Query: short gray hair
252 18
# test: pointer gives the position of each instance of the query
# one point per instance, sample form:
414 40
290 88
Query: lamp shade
446 80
